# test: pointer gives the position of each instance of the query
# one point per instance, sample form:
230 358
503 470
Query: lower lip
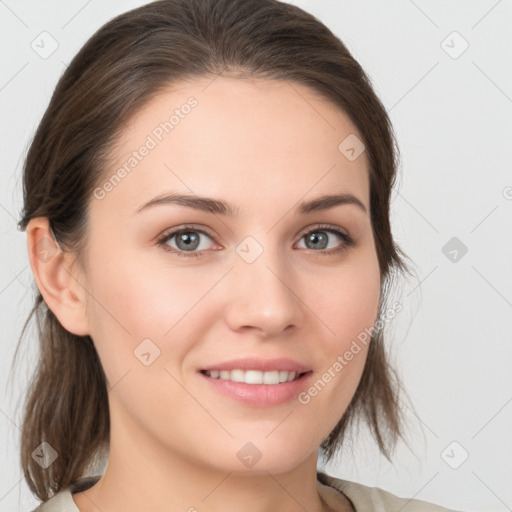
260 395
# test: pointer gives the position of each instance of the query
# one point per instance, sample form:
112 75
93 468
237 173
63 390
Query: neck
142 474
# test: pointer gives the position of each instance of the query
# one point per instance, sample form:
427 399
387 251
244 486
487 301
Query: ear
61 289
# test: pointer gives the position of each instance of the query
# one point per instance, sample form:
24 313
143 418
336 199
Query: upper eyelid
174 231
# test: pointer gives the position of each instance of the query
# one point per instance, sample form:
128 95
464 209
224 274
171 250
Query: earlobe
51 266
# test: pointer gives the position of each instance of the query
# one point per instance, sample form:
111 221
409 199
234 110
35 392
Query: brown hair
120 68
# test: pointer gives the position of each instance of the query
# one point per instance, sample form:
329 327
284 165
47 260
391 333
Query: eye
189 241
186 241
324 237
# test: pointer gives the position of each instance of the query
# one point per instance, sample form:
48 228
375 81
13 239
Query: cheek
348 301
348 305
132 301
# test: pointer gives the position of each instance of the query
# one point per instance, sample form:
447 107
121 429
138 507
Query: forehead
225 137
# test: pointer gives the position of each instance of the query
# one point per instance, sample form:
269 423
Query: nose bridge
262 289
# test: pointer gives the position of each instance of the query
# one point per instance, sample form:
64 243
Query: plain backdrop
444 73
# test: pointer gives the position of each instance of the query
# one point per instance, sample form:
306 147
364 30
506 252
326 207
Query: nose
264 296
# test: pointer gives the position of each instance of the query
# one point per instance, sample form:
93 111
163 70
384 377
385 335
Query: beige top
363 498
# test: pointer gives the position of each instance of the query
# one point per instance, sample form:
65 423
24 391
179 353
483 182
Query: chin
260 457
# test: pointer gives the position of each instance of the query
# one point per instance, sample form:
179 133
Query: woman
207 215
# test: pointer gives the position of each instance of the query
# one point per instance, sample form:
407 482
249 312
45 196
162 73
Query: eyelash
348 241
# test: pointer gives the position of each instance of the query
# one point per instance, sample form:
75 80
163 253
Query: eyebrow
216 206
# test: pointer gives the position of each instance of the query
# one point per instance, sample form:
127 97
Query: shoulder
366 498
63 500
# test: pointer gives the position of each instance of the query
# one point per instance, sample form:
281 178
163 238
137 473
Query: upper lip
263 365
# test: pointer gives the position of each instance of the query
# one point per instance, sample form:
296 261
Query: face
252 281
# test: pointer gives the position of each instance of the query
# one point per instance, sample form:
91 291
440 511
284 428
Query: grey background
452 114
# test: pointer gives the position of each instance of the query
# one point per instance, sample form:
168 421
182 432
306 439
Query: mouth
271 378
257 382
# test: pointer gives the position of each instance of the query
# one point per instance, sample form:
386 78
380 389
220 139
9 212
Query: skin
263 146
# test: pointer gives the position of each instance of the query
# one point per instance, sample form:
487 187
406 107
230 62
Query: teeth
254 376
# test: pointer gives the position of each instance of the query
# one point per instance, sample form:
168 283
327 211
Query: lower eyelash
347 239
184 254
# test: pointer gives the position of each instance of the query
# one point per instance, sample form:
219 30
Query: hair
126 63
